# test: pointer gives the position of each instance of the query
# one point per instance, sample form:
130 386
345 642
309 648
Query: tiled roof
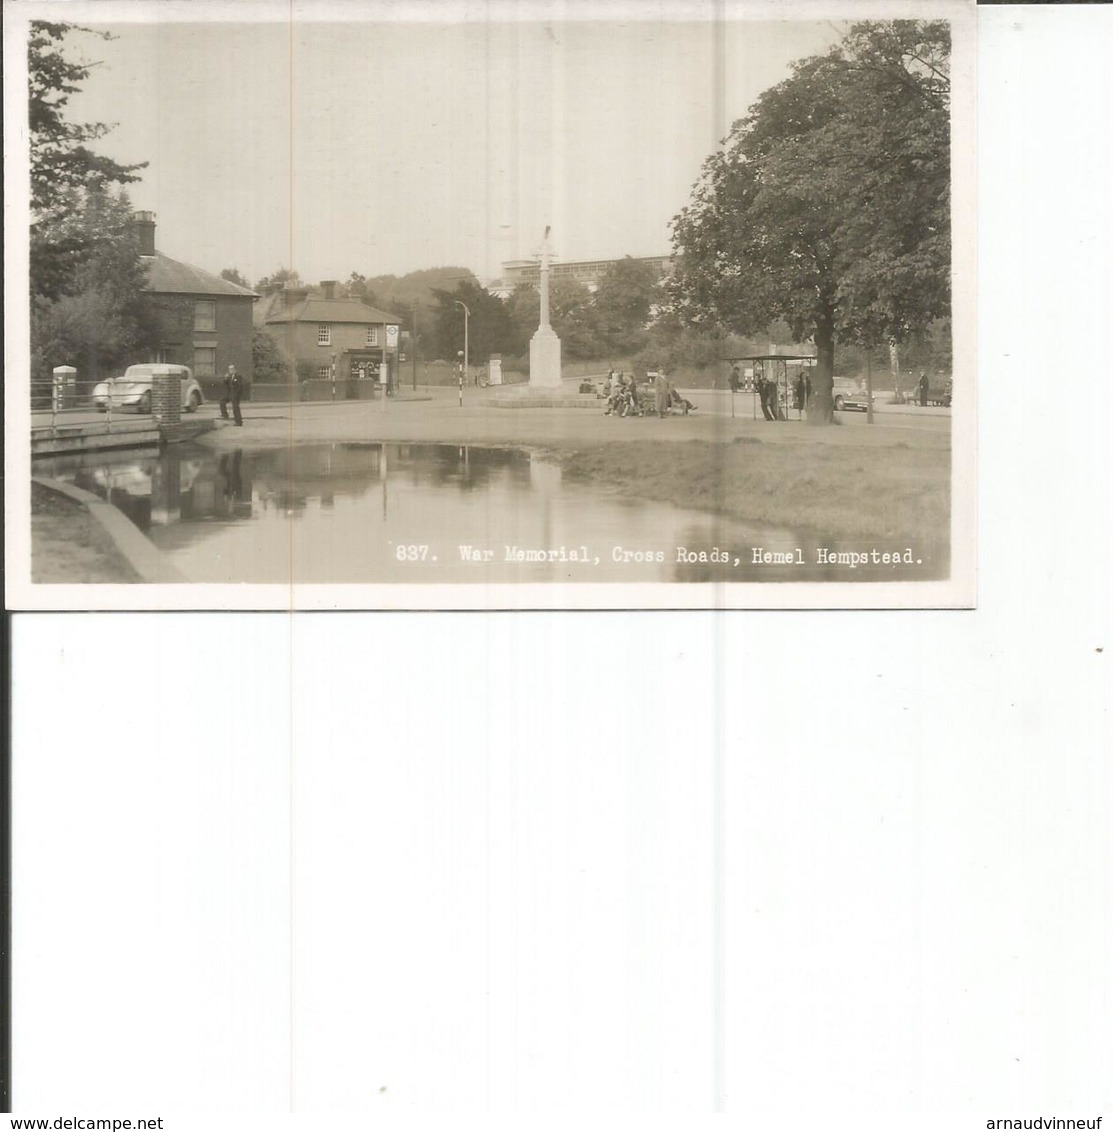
332 310
171 276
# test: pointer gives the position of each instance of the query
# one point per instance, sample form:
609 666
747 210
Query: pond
413 513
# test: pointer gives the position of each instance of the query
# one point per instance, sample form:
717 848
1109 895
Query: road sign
392 336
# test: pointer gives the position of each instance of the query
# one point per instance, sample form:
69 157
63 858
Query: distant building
202 321
586 271
325 336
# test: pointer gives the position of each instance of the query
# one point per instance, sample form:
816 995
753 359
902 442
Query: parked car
843 389
858 401
133 390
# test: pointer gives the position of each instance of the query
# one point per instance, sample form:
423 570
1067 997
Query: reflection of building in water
183 486
543 476
166 493
465 466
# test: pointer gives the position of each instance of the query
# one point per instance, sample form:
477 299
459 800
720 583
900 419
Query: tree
624 301
575 319
523 307
233 275
828 205
268 362
64 170
284 276
488 323
357 288
101 321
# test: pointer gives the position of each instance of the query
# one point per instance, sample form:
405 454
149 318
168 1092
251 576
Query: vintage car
133 390
858 402
844 389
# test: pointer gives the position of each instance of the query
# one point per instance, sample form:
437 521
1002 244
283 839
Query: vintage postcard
498 306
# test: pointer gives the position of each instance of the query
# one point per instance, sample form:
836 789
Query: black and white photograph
496 305
455 673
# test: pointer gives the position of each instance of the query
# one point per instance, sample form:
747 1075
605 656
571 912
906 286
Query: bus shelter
785 370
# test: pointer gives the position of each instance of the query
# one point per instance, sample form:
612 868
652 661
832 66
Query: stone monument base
544 359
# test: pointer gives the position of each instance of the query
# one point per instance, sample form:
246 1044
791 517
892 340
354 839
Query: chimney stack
294 295
145 226
329 288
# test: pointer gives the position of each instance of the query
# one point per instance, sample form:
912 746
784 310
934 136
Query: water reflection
373 512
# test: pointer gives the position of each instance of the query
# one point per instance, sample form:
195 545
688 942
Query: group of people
769 391
625 398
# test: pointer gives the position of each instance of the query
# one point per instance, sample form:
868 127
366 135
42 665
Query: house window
324 372
204 361
204 316
372 336
324 335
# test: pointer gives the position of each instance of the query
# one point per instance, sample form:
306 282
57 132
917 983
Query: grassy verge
841 490
69 545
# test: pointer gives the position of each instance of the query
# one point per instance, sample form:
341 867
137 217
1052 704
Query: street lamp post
467 315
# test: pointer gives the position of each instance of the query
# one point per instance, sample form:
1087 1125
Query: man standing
233 391
767 390
661 392
923 387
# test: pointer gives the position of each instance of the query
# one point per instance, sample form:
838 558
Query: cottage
203 321
325 338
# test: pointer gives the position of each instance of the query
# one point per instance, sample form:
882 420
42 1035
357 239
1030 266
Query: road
434 402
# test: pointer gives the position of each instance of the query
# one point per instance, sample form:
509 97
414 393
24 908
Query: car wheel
144 405
194 402
838 403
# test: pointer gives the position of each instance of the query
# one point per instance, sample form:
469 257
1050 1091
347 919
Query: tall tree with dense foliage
488 324
575 319
624 301
86 276
64 169
829 204
100 321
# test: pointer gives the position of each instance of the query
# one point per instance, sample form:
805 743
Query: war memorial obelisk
544 346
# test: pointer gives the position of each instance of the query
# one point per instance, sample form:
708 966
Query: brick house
326 338
203 321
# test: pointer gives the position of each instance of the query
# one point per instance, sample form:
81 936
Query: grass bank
839 490
69 545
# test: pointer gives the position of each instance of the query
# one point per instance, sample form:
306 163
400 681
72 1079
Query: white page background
819 864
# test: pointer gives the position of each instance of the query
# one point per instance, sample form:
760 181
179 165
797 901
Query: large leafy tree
86 275
523 305
64 169
100 321
828 205
488 323
624 301
575 319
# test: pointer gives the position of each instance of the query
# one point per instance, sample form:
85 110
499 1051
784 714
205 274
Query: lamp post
413 350
467 315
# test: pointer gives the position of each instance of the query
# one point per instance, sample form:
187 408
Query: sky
345 139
